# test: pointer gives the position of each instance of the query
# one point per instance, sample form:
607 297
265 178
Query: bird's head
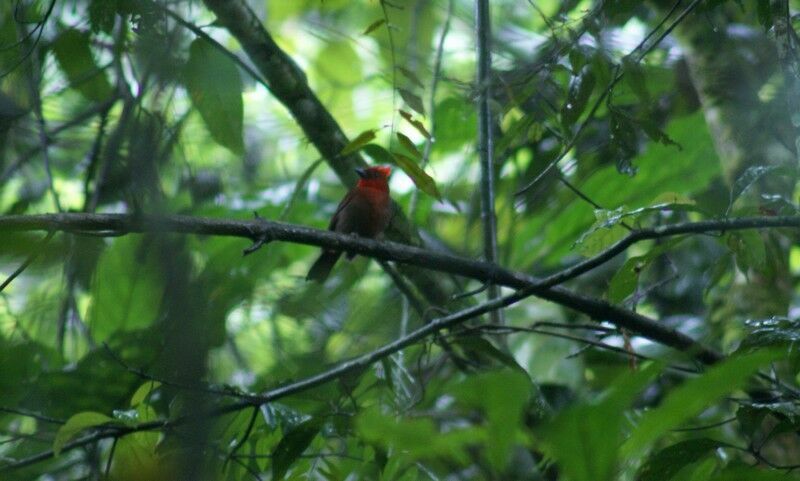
374 177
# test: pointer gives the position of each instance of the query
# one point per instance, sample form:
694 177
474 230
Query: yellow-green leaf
409 145
361 140
412 101
373 26
76 424
144 390
415 123
379 154
423 181
411 76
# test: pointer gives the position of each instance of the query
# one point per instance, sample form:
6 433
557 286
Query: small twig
197 388
259 241
27 261
245 436
31 414
473 292
706 426
110 457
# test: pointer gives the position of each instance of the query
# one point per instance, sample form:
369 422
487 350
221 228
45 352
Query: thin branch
166 382
503 329
705 426
246 434
40 27
437 70
483 34
35 84
31 414
110 457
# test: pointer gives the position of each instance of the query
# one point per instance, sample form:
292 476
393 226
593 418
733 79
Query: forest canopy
587 270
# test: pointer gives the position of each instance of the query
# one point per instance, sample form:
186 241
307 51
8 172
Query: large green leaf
584 439
215 88
75 425
292 445
660 169
664 464
74 55
126 289
407 435
694 396
502 395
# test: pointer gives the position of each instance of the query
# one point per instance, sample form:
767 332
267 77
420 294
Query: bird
365 211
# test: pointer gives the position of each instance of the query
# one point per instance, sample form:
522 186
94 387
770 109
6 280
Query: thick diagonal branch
289 86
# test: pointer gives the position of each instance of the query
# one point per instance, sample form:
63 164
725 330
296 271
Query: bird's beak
361 173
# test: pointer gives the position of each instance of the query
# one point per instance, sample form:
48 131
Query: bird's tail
322 267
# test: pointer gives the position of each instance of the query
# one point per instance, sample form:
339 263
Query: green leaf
502 395
655 133
360 141
775 331
764 10
422 180
456 124
624 141
694 396
74 56
76 424
415 123
144 390
215 88
373 26
412 101
598 240
749 248
605 232
664 464
580 90
748 473
584 439
379 154
411 76
633 73
126 289
409 145
407 435
626 279
292 445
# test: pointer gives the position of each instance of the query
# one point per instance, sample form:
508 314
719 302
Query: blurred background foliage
649 117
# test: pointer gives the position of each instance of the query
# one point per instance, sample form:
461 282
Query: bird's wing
342 204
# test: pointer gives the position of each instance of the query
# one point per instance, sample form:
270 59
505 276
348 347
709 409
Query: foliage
142 356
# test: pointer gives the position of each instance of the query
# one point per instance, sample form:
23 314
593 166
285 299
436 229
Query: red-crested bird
365 211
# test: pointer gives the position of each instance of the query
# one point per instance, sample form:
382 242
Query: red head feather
374 177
